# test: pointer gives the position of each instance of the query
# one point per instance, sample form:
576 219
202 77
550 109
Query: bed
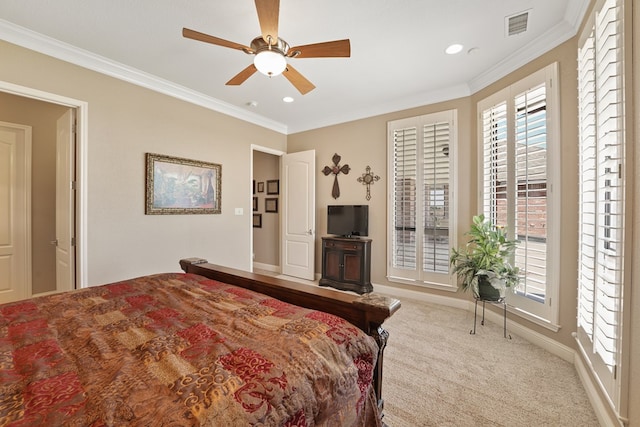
210 346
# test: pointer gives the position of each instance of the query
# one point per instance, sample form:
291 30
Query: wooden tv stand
346 264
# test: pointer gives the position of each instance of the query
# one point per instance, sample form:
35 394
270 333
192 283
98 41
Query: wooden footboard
368 312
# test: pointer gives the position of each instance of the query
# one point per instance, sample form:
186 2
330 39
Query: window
519 153
421 156
602 185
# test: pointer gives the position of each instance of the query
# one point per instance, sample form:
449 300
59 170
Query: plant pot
486 291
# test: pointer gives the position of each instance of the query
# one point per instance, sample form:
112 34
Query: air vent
517 23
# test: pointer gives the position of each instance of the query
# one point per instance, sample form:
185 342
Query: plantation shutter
405 178
435 197
601 220
420 207
494 158
530 225
518 144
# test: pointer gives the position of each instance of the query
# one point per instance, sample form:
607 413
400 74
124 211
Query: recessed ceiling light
454 48
287 99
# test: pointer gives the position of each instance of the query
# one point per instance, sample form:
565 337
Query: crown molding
552 38
418 100
48 46
575 13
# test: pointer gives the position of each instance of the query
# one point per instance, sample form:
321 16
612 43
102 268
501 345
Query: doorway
41 112
292 196
266 211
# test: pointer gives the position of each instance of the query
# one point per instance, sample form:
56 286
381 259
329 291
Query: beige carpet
437 374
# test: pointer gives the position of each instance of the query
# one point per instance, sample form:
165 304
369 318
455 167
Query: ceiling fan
271 52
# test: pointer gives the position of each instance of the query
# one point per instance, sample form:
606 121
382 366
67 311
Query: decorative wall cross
367 179
335 170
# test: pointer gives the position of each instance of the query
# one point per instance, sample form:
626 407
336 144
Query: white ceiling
397 49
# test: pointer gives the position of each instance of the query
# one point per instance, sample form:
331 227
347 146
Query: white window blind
516 177
601 197
531 191
435 149
420 209
494 159
405 178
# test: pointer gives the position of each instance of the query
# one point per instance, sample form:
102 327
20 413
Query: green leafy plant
485 259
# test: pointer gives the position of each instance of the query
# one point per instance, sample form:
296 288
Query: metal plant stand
501 301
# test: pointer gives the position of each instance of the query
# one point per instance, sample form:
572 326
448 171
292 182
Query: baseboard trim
266 267
599 403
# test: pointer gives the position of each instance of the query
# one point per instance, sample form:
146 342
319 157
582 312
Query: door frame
81 108
279 153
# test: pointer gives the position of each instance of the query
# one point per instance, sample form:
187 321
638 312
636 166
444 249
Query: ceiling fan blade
303 85
336 48
195 35
243 75
268 11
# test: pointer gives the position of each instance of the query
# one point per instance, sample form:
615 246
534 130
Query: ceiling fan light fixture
270 62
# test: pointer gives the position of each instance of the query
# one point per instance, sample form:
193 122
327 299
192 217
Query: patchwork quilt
180 350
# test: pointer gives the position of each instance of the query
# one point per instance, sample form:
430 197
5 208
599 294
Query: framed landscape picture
182 186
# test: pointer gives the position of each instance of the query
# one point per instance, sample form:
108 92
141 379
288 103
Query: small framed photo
255 204
261 187
271 205
273 186
254 186
257 220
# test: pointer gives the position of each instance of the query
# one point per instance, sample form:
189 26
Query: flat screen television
348 220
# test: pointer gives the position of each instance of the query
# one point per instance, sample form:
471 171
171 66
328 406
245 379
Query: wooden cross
335 170
367 179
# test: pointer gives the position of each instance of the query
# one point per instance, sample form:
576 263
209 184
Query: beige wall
266 240
41 116
124 123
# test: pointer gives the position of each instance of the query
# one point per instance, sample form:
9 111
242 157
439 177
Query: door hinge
615 372
73 185
73 241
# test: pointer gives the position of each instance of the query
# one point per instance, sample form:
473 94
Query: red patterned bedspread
179 349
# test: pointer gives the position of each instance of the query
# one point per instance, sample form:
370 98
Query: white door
65 230
299 214
15 212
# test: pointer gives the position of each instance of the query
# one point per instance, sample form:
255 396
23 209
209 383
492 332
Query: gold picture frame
176 186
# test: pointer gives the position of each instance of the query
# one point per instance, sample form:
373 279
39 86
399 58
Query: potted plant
484 264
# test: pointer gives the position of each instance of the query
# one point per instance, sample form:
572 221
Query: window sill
533 318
